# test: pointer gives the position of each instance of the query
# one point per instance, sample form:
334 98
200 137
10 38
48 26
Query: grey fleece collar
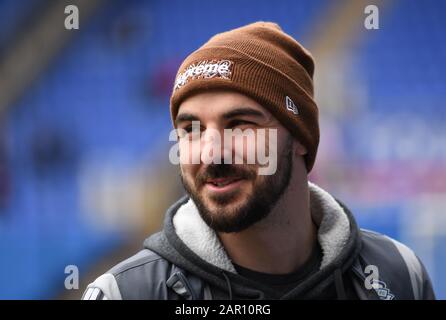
333 230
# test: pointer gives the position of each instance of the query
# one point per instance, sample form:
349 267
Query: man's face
232 197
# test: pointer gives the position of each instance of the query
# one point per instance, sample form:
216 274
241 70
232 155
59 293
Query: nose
213 148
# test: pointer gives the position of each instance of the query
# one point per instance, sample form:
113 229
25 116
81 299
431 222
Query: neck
283 241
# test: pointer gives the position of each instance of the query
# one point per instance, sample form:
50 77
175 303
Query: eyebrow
242 111
184 117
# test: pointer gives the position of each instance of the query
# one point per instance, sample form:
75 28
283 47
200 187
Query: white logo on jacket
382 290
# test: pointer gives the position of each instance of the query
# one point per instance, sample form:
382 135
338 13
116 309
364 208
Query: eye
239 122
187 130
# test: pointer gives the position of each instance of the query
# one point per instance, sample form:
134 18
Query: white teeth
221 184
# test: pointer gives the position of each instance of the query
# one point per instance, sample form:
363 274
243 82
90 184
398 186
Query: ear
299 149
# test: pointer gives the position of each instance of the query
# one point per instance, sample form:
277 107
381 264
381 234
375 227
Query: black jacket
187 261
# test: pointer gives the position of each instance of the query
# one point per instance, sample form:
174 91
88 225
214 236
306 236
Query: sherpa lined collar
332 220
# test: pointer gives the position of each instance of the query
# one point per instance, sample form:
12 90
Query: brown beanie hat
264 63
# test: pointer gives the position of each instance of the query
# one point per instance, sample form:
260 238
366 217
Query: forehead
217 103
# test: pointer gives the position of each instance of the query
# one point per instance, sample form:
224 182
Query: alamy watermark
371 21
236 146
72 19
372 281
72 279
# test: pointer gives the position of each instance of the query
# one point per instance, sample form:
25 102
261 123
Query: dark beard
265 194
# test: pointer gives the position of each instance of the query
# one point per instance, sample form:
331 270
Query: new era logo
290 106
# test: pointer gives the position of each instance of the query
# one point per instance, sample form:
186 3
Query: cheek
189 171
189 151
245 147
260 148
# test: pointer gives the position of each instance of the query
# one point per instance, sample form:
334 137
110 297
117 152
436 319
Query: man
242 235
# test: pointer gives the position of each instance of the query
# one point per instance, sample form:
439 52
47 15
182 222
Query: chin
227 201
227 209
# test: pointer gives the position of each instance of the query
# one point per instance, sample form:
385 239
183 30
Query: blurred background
84 123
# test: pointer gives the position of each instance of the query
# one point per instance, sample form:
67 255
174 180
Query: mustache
214 171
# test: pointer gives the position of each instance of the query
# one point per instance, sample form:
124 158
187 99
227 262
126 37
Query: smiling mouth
223 186
222 182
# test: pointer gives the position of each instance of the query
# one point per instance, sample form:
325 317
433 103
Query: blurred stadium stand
84 171
13 16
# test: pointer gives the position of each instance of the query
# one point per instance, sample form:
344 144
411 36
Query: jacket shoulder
399 267
138 260
137 277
